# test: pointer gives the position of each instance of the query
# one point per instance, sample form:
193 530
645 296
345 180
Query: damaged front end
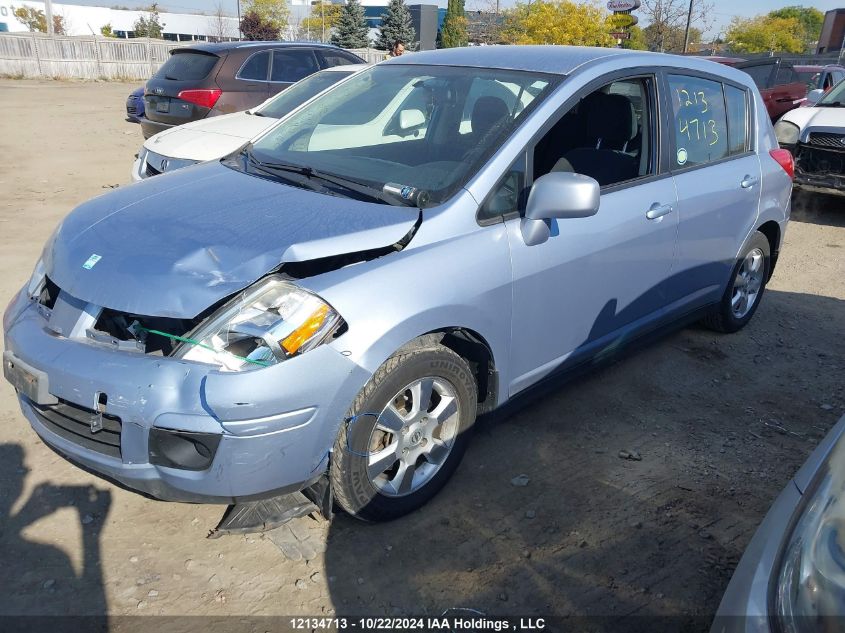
820 162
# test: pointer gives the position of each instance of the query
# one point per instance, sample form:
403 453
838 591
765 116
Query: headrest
609 117
487 113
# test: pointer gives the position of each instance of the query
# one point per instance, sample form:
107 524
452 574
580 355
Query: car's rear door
717 176
289 65
247 82
187 72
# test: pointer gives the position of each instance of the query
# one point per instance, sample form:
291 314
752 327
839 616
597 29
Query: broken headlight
267 323
787 133
811 584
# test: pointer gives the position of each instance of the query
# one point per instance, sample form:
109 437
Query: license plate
27 380
162 106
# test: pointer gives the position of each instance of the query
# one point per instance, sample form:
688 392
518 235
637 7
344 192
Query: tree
556 22
764 33
352 30
396 25
484 22
324 17
637 41
149 25
220 27
667 18
36 21
670 39
454 31
811 20
254 27
274 13
107 31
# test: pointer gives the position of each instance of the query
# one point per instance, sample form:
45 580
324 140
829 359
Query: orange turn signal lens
309 327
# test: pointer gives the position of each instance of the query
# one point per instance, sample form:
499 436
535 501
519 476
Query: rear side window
700 121
256 67
737 108
291 66
187 66
760 74
786 75
337 58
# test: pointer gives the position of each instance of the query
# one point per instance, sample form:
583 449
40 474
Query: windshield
403 128
836 95
290 99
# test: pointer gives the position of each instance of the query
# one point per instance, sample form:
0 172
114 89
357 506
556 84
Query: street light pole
48 14
240 34
686 32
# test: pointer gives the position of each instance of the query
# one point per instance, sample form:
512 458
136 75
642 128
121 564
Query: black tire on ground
722 318
352 488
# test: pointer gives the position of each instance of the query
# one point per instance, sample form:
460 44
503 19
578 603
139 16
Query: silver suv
329 308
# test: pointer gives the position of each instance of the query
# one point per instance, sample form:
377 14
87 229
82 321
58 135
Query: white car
816 138
215 137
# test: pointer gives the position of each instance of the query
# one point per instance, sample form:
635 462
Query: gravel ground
720 423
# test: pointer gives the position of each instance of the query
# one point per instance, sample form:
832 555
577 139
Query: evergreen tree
149 26
454 31
396 25
351 30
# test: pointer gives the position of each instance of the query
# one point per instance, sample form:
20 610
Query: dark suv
210 79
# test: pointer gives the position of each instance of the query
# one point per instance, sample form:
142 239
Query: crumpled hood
209 138
816 119
175 244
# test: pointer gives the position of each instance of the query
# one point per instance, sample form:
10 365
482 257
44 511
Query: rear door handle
658 211
749 181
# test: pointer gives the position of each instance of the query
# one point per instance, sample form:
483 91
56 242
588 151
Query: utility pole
240 35
323 17
48 14
686 32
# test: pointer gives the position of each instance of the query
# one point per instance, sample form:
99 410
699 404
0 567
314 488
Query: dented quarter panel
175 244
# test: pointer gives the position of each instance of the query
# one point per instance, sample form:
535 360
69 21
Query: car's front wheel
745 289
405 434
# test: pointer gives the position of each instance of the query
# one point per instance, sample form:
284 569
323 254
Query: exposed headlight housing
266 324
810 590
787 133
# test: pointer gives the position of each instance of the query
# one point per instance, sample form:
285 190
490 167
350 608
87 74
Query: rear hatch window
187 66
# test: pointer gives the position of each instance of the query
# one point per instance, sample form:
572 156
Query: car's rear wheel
405 433
746 287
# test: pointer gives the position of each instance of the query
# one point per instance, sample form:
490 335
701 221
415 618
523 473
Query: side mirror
561 195
409 119
814 96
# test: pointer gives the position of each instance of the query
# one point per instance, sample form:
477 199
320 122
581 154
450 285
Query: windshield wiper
833 104
310 173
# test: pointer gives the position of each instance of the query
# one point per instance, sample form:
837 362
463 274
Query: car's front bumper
746 604
819 169
276 424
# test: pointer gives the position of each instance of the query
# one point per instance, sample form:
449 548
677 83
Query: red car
820 77
780 85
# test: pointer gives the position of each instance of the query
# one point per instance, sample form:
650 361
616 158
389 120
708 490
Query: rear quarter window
736 101
187 66
786 75
700 120
760 74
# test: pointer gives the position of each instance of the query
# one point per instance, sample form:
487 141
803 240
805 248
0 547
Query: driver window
606 135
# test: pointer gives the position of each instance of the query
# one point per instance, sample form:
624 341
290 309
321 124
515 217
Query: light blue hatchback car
328 309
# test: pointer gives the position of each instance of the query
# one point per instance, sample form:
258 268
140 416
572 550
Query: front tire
405 433
745 289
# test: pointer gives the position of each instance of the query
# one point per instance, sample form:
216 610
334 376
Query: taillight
784 159
203 98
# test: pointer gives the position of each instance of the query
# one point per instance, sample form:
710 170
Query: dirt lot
590 534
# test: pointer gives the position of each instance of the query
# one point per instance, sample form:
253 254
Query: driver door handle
749 181
658 211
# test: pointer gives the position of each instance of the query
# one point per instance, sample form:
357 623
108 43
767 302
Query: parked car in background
781 87
135 105
816 138
206 80
820 77
218 136
329 311
791 578
720 59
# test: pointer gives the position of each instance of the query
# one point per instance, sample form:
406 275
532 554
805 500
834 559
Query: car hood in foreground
209 138
820 118
176 244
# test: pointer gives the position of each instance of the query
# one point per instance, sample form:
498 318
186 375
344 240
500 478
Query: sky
723 10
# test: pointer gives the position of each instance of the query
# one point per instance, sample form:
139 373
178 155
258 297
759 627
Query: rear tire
745 288
405 433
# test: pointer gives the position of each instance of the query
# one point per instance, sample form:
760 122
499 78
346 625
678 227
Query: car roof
806 67
222 47
345 68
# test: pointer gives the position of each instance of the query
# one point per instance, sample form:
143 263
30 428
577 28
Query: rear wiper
347 183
